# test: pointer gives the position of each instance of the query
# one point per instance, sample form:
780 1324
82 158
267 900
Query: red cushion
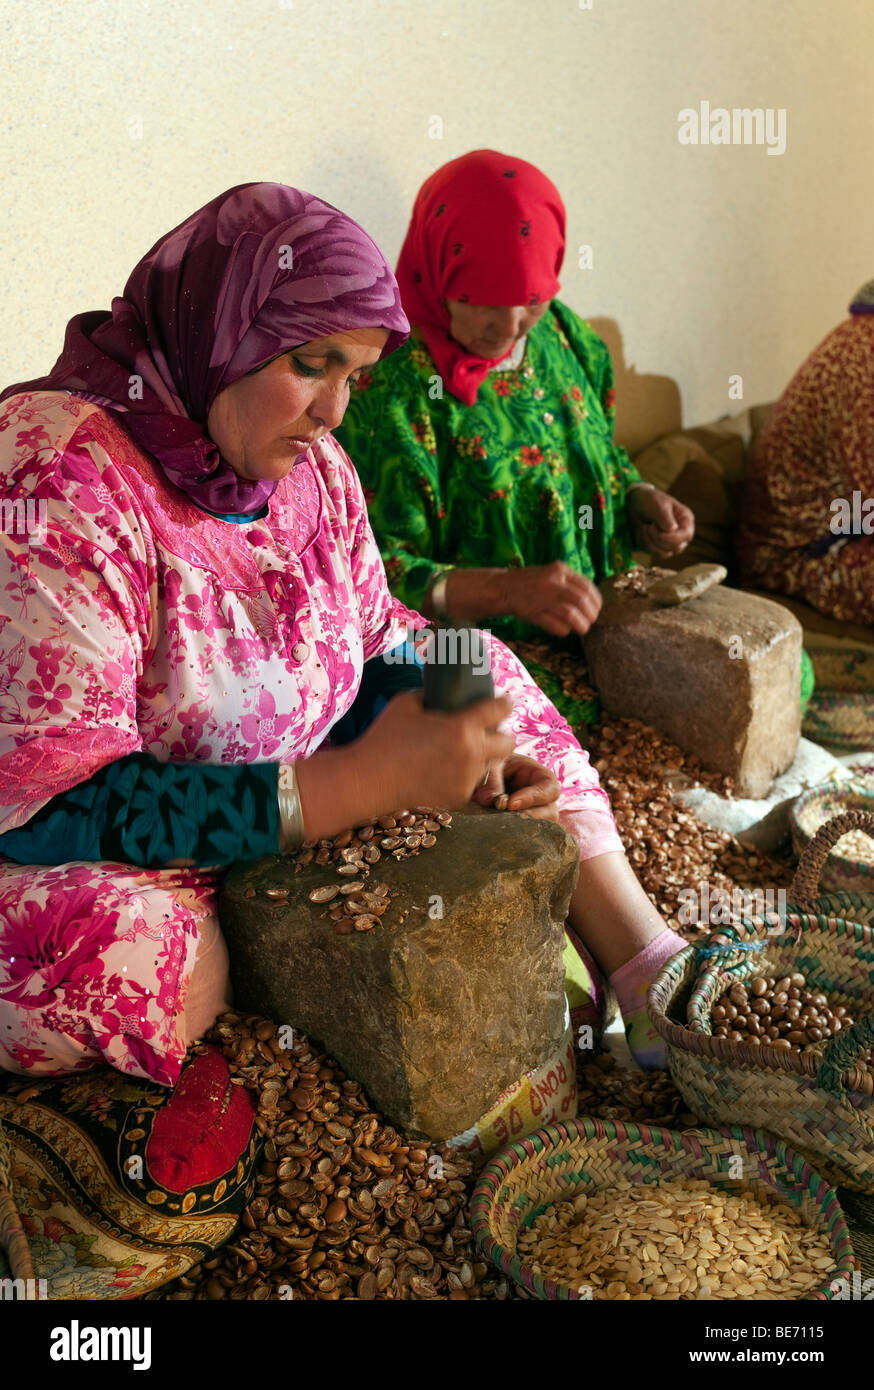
203 1129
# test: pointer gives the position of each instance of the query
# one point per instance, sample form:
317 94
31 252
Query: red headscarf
486 229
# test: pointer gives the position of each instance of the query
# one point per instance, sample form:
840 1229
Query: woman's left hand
532 788
661 525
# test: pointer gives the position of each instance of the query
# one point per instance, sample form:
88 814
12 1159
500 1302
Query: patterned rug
121 1185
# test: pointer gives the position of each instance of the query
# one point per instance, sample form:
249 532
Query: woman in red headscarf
485 444
495 490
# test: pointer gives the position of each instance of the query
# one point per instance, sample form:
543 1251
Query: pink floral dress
131 620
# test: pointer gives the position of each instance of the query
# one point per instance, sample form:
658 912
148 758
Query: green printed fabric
528 474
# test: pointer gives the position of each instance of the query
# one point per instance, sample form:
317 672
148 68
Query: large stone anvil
435 1015
716 669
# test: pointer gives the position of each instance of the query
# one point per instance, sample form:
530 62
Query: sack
544 1095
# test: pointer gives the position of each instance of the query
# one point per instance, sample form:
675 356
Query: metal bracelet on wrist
291 827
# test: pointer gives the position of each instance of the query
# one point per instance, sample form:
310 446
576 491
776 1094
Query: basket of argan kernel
770 1023
850 866
595 1209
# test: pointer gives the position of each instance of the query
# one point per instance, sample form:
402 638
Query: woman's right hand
410 756
553 597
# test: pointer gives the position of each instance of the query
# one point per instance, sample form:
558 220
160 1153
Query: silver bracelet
438 596
631 486
291 827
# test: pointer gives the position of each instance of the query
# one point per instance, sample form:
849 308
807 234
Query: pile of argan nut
782 1013
608 1091
668 846
344 1207
677 1239
637 581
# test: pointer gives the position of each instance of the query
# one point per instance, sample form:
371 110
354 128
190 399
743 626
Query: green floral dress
526 475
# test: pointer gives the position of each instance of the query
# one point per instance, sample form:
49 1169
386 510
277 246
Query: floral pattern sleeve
392 438
542 734
68 706
592 350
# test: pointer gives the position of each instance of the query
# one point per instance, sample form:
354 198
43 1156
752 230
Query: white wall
708 261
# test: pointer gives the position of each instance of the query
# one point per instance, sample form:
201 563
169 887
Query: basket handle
842 1052
805 884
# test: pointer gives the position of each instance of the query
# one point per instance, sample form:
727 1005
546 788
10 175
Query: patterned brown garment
818 447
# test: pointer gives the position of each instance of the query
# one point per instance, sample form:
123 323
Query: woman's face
490 330
264 421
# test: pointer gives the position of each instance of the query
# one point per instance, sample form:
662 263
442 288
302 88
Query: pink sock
631 982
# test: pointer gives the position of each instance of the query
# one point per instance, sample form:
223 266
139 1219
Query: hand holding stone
411 756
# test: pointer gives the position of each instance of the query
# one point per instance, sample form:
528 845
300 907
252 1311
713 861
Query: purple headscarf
261 269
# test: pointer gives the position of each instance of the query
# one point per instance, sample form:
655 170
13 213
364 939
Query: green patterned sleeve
607 393
388 432
594 354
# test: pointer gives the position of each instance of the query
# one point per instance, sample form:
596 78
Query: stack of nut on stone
433 973
357 904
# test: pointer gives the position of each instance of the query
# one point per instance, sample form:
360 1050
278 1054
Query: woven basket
820 1103
840 720
558 1162
819 805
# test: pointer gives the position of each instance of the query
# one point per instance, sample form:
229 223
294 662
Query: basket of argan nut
850 866
770 1022
594 1209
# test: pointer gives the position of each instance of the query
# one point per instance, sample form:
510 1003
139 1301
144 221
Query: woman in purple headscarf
187 607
